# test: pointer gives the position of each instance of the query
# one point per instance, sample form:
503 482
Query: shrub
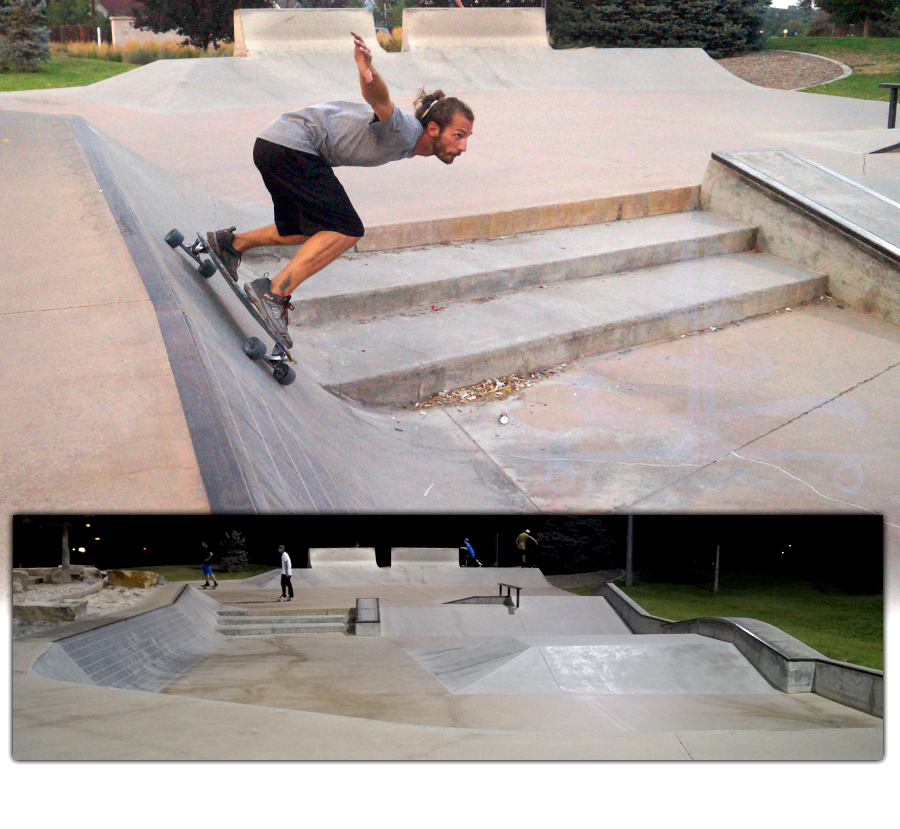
24 40
234 555
138 53
722 27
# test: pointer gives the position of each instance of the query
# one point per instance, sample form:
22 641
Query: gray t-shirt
346 134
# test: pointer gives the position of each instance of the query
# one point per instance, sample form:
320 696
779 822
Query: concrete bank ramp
287 80
625 664
264 31
261 446
461 28
536 615
143 653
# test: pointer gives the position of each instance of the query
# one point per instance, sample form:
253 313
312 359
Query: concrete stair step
303 619
359 286
267 628
394 360
300 623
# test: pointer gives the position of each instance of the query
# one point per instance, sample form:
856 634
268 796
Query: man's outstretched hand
363 57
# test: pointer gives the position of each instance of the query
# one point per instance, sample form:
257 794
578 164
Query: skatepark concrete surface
126 392
558 677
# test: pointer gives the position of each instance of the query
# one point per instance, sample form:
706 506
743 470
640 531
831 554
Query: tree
200 22
722 27
234 555
24 39
868 12
62 524
68 13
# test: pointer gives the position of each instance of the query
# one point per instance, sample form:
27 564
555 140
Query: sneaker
205 586
220 243
281 599
274 309
215 585
290 598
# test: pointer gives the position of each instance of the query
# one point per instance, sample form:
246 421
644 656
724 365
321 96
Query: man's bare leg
272 297
267 236
317 252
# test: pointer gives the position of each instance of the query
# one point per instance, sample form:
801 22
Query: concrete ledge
850 685
786 663
454 27
530 219
816 218
368 617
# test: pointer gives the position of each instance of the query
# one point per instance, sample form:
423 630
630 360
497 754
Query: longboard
254 348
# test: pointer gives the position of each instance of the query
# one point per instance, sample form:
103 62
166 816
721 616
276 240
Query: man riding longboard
295 155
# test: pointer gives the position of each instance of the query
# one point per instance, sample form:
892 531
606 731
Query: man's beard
443 152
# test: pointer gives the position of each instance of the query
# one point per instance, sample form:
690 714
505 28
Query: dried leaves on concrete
498 388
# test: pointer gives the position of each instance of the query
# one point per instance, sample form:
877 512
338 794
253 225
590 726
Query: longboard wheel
284 374
174 238
255 348
207 269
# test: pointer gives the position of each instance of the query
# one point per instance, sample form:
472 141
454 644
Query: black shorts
307 196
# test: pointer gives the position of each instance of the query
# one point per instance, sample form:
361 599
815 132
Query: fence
72 34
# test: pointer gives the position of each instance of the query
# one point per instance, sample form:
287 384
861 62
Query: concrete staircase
392 327
239 622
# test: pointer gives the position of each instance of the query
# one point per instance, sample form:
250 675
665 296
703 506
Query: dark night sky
819 544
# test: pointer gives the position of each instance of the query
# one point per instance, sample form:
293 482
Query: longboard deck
246 302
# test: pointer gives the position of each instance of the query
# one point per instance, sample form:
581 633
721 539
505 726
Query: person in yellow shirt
522 544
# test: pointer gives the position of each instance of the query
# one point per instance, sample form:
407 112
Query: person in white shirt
287 589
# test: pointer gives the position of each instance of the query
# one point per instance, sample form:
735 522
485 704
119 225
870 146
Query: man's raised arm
373 87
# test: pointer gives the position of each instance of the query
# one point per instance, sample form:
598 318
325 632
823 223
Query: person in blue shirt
471 553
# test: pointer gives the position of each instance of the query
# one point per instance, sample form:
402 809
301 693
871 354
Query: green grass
63 70
874 60
192 572
860 50
840 626
859 86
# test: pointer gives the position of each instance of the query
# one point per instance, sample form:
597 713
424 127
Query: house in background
121 20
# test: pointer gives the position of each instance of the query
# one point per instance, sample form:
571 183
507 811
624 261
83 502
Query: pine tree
24 39
234 555
721 27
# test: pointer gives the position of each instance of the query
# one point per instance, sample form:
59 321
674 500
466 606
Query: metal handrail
509 587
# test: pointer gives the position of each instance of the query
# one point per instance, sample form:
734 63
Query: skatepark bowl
450 670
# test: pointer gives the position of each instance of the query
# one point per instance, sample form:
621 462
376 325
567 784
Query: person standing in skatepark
522 545
295 155
287 589
207 566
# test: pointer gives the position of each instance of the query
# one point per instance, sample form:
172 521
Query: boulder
70 610
131 578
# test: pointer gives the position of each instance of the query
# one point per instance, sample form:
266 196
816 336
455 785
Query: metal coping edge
817 211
